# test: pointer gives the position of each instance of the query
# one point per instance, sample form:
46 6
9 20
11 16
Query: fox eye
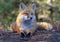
31 13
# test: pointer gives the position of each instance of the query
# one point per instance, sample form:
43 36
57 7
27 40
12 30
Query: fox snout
28 18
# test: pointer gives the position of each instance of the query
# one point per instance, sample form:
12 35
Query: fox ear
33 6
22 6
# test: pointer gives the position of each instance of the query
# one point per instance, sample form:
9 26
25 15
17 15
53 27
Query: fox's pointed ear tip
33 6
22 6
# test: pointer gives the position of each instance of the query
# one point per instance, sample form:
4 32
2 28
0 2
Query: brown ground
39 36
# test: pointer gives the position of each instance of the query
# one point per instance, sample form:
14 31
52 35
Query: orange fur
25 11
45 25
29 12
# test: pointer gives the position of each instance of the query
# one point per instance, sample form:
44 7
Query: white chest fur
27 26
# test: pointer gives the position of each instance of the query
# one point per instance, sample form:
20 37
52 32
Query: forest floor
39 36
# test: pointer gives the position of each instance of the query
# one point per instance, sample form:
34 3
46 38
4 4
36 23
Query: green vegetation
9 10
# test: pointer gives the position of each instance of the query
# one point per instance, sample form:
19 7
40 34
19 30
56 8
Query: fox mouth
27 21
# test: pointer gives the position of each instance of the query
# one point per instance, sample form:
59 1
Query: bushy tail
45 25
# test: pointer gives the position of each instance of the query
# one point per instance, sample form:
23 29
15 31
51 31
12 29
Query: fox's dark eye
31 13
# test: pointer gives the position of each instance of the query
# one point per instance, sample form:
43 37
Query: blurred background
47 10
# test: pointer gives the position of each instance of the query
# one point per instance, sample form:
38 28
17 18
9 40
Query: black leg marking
28 35
22 35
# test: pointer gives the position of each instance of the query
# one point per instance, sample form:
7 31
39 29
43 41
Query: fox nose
30 17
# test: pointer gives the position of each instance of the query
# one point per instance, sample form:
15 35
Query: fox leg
15 28
30 33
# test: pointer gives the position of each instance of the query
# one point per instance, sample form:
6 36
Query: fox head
27 13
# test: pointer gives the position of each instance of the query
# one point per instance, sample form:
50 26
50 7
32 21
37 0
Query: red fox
26 20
